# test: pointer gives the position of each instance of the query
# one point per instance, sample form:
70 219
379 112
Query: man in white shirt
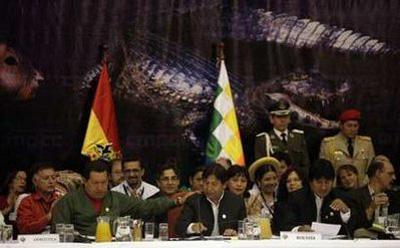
133 185
215 211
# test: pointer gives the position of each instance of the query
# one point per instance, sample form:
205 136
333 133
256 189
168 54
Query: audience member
347 177
196 179
292 180
264 173
215 211
238 181
116 174
14 185
168 180
347 147
133 185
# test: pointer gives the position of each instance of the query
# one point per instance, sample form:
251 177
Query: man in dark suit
215 211
375 196
281 139
318 203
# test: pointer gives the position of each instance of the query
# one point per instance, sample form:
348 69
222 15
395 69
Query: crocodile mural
152 71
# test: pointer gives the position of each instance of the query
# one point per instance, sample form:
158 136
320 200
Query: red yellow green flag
101 139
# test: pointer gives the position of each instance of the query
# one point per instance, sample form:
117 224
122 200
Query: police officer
347 147
280 138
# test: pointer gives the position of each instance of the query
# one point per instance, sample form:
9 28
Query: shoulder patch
298 131
261 134
366 138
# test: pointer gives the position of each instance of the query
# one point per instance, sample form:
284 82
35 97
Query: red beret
350 114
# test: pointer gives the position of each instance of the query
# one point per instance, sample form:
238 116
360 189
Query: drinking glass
265 228
137 229
241 232
163 231
249 230
60 229
7 233
393 224
69 233
149 231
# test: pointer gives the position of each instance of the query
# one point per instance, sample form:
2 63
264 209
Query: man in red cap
347 147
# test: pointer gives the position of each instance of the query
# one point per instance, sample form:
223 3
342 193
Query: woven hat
260 162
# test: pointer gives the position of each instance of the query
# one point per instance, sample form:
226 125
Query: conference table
359 243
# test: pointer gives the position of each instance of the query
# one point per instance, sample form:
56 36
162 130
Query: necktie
283 136
350 147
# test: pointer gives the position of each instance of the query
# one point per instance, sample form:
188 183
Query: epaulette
366 138
328 139
297 131
261 134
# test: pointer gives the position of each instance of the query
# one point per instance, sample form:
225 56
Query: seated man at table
82 206
318 203
215 211
372 198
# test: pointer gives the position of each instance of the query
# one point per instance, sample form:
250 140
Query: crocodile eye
10 60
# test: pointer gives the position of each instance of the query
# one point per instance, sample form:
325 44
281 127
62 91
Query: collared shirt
279 134
32 213
378 210
145 190
215 209
318 204
319 201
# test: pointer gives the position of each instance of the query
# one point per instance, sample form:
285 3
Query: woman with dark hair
347 177
238 183
264 172
290 181
14 185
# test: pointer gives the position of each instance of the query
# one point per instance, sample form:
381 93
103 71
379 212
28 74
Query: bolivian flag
224 140
101 139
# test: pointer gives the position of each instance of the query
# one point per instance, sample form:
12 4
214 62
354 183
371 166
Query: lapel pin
224 216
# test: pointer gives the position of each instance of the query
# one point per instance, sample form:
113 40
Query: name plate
300 236
39 238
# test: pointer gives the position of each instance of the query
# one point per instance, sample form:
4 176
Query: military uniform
295 146
335 149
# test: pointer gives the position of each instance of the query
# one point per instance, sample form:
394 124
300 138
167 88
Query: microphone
199 217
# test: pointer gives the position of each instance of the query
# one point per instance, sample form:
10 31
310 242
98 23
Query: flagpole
221 51
104 54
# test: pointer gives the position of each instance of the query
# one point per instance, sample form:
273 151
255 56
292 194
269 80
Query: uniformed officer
347 147
280 138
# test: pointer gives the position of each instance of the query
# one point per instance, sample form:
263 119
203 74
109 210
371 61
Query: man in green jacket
83 206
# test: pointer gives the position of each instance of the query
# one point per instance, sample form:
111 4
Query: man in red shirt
34 213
